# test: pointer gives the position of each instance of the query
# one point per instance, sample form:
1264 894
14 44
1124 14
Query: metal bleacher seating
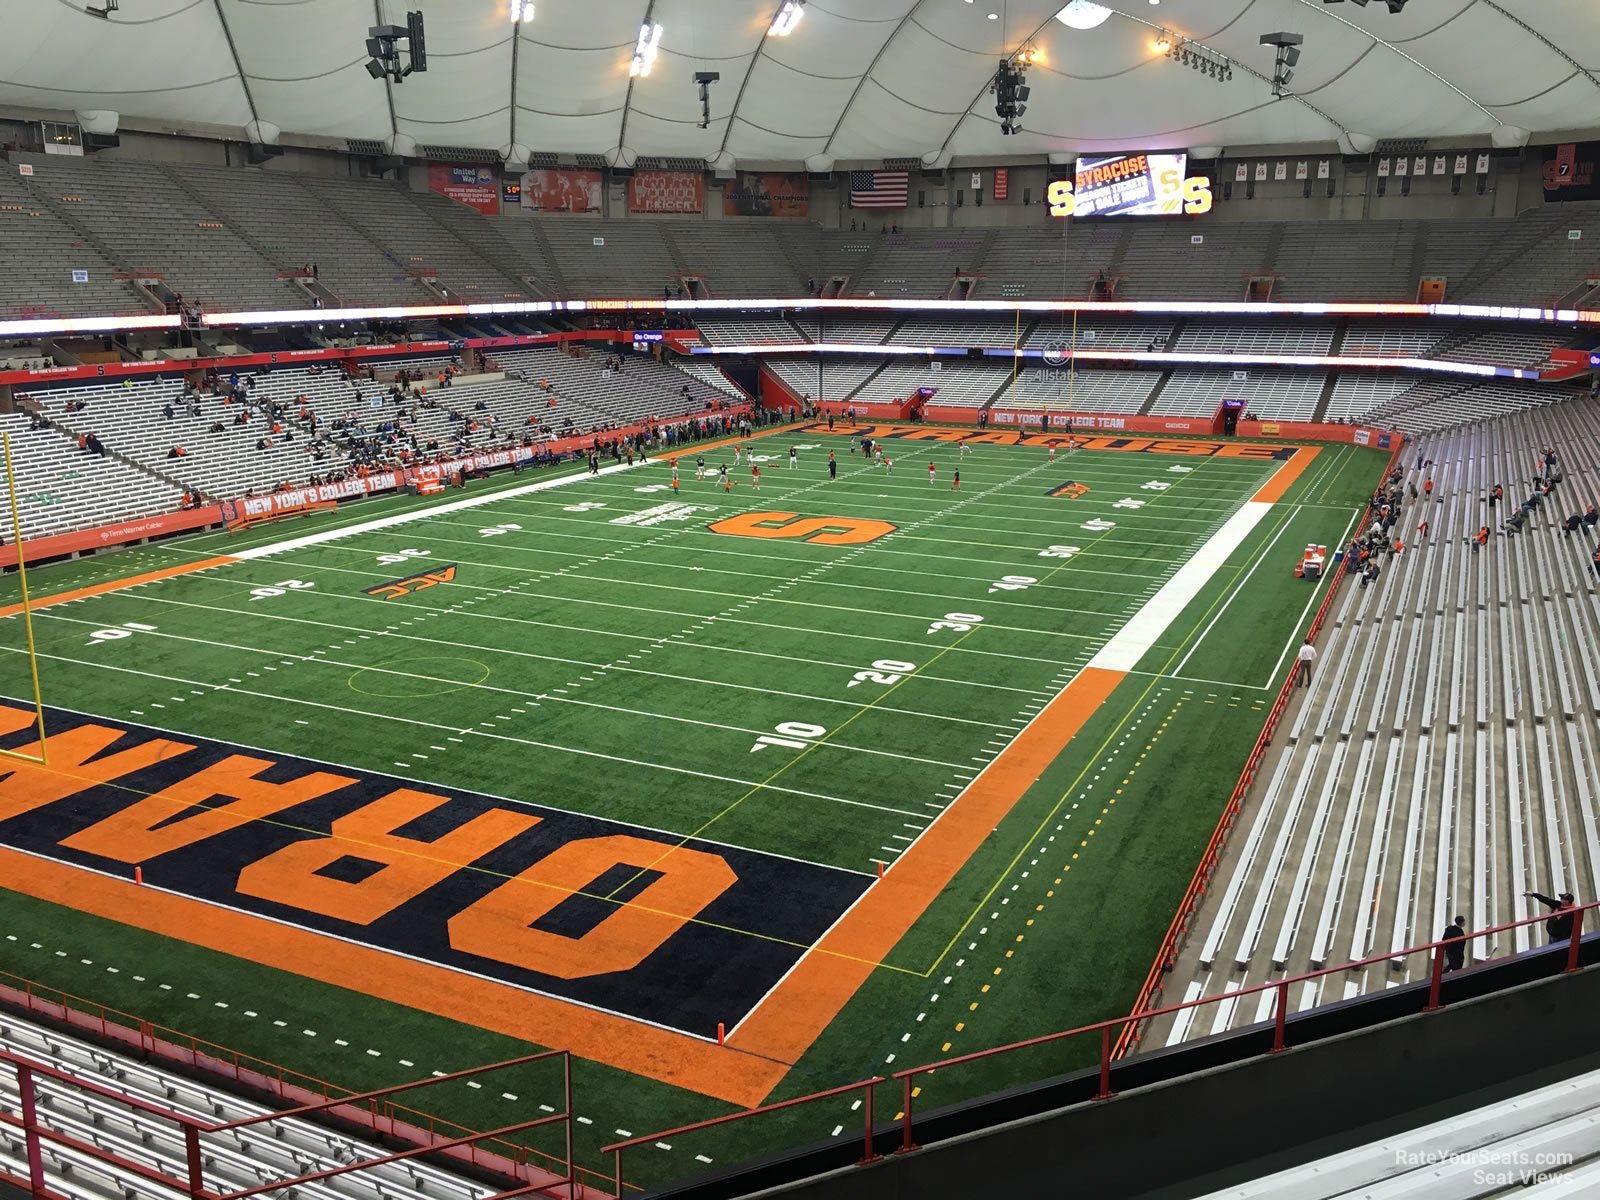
1274 395
824 376
1022 264
150 223
1166 261
1463 1157
1446 757
40 252
1357 393
923 263
1386 339
959 383
1102 333
297 228
733 259
392 217
737 331
642 388
1335 260
1255 338
247 1157
945 331
60 487
1060 390
711 375
1508 347
632 259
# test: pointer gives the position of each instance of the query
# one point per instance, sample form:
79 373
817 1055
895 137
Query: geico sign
1193 193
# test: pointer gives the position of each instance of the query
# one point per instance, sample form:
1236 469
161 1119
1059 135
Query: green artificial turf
645 660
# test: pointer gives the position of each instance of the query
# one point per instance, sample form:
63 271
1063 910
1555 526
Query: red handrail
864 1086
381 1119
1189 906
1105 1028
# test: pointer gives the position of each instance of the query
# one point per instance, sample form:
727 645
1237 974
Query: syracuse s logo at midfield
819 531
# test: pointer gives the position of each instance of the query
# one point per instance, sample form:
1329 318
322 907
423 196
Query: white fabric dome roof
858 80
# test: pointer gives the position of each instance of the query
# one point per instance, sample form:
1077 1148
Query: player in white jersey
794 457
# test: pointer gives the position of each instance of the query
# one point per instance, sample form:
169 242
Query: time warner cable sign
1131 185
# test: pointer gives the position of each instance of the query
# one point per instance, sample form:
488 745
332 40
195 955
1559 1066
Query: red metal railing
1106 1032
1200 881
429 1134
865 1087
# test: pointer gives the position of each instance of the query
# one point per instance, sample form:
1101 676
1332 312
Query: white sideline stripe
420 514
1133 641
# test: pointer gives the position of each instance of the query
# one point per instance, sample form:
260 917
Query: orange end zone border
770 1039
117 585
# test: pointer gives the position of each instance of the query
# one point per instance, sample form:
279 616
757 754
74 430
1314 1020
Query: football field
737 792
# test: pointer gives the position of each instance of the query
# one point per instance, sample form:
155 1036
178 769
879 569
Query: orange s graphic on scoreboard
819 531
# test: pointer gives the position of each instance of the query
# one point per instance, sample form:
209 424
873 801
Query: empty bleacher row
248 1157
1445 758
61 488
232 236
1550 1135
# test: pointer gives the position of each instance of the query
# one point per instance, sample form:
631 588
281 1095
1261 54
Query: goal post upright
43 757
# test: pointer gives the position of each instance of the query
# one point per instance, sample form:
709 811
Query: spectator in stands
1596 560
1455 952
1303 661
95 446
1590 518
1559 926
177 452
1482 539
1427 487
1573 523
1496 495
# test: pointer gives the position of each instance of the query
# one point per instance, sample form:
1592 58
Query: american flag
1002 182
879 189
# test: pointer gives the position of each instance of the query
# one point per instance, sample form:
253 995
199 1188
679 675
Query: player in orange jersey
755 477
932 470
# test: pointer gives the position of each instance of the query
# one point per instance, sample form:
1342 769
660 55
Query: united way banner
667 192
763 194
567 190
476 187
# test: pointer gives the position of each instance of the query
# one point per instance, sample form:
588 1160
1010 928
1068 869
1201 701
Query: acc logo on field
1056 354
1070 489
820 531
396 588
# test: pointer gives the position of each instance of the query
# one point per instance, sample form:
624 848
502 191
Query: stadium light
644 50
103 13
788 17
521 11
1083 14
1288 47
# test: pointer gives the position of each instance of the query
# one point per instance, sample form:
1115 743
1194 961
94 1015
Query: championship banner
566 189
476 187
764 194
667 192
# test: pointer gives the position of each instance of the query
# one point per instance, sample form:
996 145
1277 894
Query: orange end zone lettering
547 925
819 531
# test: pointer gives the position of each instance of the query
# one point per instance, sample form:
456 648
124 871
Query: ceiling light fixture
644 50
521 10
1083 14
788 17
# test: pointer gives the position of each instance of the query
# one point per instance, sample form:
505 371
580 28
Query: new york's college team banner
1570 171
764 194
476 187
566 189
667 192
